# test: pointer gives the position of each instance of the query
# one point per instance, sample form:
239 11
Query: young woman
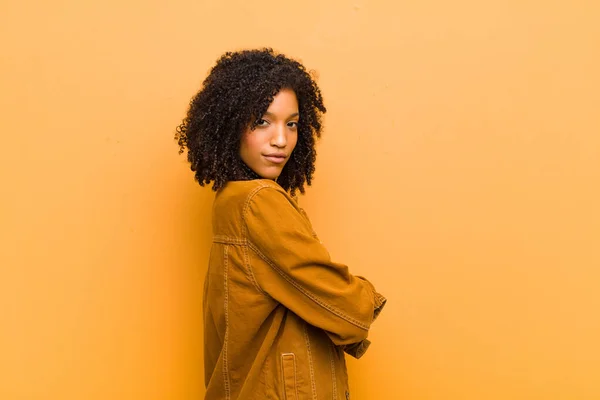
278 312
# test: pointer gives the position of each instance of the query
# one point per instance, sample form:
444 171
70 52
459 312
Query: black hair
234 96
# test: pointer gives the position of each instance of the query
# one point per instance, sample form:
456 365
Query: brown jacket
278 313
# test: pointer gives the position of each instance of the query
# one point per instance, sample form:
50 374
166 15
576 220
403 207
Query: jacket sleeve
297 272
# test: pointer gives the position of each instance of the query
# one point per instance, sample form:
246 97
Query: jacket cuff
357 350
379 301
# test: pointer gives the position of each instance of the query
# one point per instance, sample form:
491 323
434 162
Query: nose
279 138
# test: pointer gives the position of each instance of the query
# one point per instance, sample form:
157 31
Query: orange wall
460 171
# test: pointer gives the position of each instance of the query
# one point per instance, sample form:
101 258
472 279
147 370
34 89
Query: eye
293 124
261 122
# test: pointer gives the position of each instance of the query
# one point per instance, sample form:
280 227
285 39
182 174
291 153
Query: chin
269 176
270 173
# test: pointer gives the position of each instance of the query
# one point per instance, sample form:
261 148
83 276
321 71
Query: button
347 395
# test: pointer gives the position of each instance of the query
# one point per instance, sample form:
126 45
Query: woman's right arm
297 271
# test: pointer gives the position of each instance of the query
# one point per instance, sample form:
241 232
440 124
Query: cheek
248 143
293 140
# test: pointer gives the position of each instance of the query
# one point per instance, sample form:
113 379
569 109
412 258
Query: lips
276 158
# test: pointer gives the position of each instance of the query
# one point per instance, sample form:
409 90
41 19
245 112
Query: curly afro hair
233 97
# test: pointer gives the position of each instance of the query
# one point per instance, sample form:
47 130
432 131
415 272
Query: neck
248 173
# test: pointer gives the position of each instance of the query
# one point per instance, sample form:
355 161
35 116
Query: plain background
459 170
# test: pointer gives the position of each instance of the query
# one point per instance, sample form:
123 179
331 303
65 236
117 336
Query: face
268 147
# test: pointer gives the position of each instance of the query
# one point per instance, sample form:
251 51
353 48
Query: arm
298 272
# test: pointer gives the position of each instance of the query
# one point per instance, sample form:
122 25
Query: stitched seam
228 240
245 233
295 373
235 241
295 378
283 374
283 274
283 379
266 372
333 378
247 203
226 382
245 241
307 293
310 363
250 272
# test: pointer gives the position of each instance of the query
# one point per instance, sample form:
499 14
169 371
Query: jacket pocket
288 369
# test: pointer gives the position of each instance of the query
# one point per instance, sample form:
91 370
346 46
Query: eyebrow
273 115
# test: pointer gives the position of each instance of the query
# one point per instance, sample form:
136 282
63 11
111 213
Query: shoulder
242 193
268 208
262 198
267 195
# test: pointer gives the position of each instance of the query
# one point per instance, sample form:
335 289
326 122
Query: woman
278 312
